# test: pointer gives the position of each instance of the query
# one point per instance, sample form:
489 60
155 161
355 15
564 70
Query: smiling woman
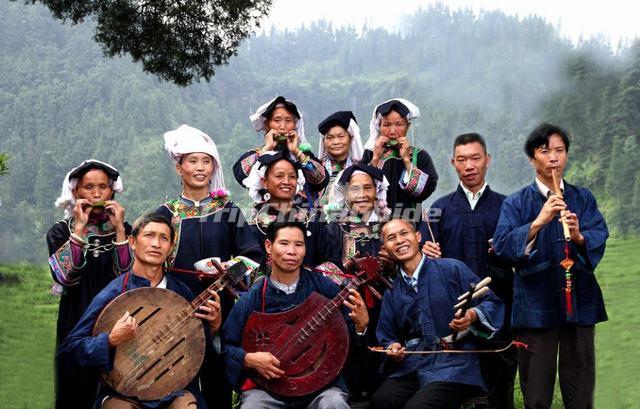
283 128
275 186
207 224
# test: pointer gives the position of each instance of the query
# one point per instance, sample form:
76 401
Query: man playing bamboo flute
555 304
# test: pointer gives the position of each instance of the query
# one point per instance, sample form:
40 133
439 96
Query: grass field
28 314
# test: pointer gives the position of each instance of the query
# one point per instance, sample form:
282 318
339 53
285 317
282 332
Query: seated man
417 315
287 286
151 241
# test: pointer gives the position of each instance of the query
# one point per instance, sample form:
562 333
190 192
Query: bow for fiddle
567 262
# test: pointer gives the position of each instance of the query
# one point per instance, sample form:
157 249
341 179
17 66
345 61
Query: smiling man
418 314
559 325
467 220
151 241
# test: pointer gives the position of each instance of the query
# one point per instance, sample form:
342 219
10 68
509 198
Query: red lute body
311 341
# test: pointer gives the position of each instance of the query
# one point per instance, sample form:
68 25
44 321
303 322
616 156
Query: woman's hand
404 151
293 140
270 141
81 212
115 212
378 149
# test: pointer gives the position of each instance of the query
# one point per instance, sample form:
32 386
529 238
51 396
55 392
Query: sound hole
148 317
314 366
262 338
160 359
137 310
168 368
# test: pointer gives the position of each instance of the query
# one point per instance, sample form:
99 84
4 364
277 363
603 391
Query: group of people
313 218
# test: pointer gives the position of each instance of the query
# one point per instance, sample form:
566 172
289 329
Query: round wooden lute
169 345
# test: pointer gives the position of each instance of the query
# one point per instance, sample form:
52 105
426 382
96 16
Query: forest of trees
61 102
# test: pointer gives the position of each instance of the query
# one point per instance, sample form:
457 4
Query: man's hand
460 324
551 208
359 313
554 205
388 264
124 330
431 249
264 363
211 312
395 351
574 226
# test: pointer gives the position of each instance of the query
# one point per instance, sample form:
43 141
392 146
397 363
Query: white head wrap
259 121
67 200
374 125
253 182
355 149
187 139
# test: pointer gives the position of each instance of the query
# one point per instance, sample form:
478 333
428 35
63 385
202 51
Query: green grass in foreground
28 315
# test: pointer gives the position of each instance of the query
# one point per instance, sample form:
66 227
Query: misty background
62 102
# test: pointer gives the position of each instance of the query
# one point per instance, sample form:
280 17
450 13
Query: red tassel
567 298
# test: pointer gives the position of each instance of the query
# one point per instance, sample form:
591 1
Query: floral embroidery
180 210
264 215
248 162
393 154
354 233
414 180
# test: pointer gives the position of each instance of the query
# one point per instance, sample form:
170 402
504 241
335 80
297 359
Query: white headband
374 125
187 139
258 120
67 200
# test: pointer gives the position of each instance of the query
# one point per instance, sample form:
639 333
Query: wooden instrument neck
218 285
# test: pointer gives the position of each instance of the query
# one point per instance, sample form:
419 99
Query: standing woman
207 224
87 250
283 128
410 171
340 145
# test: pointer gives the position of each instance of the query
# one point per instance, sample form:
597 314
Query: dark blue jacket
94 352
539 282
276 301
418 320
